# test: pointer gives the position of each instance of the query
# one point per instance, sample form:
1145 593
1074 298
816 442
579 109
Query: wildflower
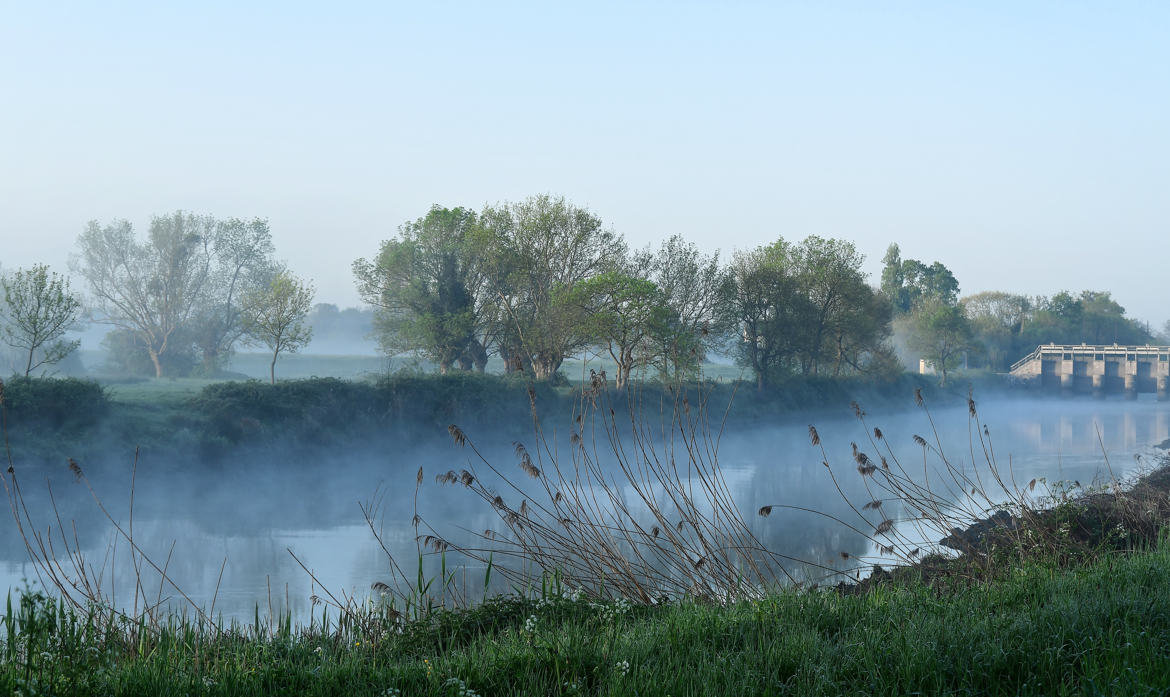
208 682
622 667
391 692
530 624
463 689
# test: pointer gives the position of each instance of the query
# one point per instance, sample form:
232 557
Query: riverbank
202 422
1065 599
1045 628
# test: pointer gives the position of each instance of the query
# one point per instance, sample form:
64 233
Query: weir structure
1098 370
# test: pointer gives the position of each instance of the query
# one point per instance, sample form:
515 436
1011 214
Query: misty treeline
179 301
540 280
535 282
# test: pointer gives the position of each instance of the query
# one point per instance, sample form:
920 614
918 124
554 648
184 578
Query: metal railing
1108 349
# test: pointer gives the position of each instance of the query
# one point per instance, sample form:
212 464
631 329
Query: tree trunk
272 368
158 371
28 367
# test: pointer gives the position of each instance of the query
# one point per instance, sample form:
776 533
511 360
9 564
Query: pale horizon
1023 147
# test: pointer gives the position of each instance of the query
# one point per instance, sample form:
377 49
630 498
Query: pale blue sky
1024 145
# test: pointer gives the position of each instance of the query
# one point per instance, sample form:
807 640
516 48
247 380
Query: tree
242 259
38 309
1092 317
541 248
829 275
941 332
623 311
997 321
696 291
428 288
275 315
770 311
149 289
894 279
909 282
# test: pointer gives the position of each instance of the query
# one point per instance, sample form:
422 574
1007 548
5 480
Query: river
225 536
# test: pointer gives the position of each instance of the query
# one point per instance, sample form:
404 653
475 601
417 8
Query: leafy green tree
541 248
1093 317
829 274
623 311
909 282
429 289
151 289
894 279
770 310
38 310
275 315
941 333
997 321
697 293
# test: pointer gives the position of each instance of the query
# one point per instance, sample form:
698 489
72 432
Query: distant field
348 367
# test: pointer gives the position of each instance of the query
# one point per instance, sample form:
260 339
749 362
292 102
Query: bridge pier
1131 386
1099 386
1066 384
1163 388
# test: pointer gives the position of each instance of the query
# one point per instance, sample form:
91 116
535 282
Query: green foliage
543 247
38 308
55 403
941 332
1101 628
1093 317
274 315
909 282
327 411
807 309
429 288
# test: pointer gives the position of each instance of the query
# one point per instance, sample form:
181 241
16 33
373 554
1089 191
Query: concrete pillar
1067 380
1099 386
1163 388
1130 386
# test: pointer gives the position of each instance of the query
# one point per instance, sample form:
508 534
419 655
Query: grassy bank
1042 629
217 419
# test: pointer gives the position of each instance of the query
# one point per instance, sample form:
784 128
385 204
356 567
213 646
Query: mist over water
251 513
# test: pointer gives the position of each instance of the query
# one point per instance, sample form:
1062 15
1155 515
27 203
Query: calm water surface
247 518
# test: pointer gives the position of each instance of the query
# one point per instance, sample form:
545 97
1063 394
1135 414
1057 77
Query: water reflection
251 515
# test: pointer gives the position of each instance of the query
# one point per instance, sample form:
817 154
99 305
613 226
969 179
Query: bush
55 402
329 410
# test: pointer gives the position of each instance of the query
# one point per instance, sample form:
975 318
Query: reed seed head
457 435
872 505
813 435
877 433
884 527
920 440
765 511
918 396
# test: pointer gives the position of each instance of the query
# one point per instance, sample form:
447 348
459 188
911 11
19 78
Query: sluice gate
1097 370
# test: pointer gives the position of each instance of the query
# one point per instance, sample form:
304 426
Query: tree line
179 300
535 282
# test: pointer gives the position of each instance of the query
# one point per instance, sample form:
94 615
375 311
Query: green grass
1043 630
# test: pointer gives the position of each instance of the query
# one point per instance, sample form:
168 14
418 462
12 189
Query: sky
1024 145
